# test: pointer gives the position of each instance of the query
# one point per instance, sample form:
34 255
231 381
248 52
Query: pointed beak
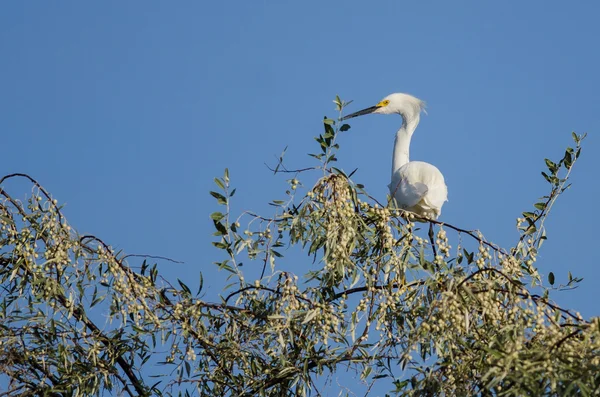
361 112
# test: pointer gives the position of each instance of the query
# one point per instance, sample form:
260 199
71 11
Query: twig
291 171
37 184
163 258
563 340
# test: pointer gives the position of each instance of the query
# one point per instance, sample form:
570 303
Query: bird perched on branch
416 186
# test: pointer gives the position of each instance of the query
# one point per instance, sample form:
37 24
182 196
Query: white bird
416 186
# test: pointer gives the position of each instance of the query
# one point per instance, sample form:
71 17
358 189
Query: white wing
419 187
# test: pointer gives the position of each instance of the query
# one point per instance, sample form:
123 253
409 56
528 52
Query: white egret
416 186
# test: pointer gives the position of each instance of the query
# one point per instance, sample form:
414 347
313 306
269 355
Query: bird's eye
383 103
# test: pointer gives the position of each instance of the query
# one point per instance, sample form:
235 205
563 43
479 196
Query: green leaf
188 293
7 220
568 160
316 245
217 216
220 245
401 385
365 373
223 265
226 176
277 254
338 102
530 230
551 278
540 206
201 284
328 121
324 147
220 227
95 298
309 316
468 255
340 172
546 177
345 127
220 183
551 165
220 198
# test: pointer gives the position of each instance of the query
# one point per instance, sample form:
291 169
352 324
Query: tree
392 304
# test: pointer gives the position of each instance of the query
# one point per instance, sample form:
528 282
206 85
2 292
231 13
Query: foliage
384 300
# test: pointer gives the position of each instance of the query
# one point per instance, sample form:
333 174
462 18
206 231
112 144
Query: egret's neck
402 143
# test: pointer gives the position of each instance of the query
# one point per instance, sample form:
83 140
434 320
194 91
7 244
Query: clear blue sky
127 110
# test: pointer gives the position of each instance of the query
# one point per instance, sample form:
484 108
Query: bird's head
405 105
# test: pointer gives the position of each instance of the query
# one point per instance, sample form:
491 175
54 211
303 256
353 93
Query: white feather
416 186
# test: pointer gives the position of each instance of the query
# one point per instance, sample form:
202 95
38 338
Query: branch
489 269
163 258
234 293
37 184
378 287
290 171
311 364
79 314
563 340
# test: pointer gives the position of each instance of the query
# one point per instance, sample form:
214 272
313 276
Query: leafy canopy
444 312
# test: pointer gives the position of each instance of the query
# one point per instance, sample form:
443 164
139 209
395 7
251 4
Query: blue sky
125 111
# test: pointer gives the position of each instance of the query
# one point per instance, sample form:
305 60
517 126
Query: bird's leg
432 239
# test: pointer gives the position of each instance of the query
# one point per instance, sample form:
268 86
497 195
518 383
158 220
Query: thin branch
563 340
276 171
260 287
492 270
162 258
37 184
378 287
79 314
265 385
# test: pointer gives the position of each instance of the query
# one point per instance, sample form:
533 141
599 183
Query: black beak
361 112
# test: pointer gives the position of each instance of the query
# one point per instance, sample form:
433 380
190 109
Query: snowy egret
416 186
